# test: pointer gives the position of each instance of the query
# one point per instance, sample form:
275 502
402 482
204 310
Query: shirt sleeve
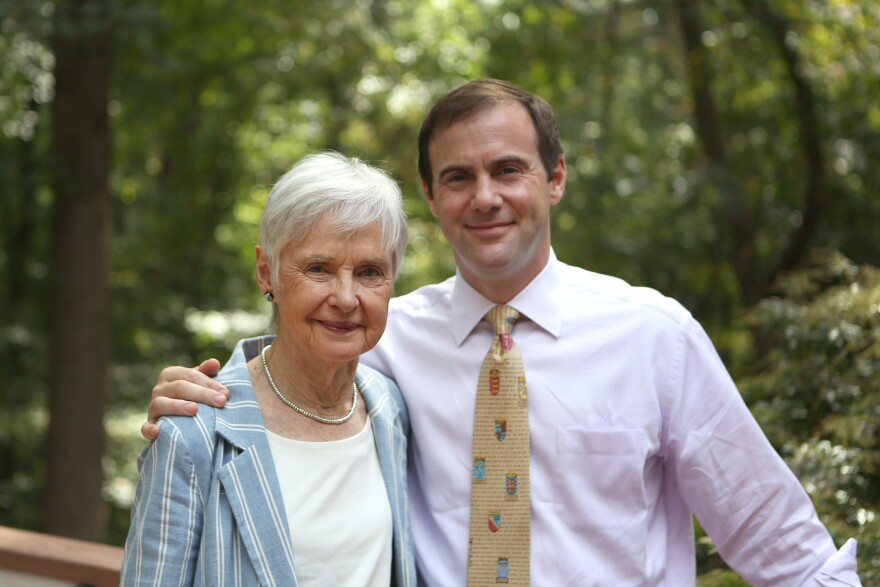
742 492
166 521
839 570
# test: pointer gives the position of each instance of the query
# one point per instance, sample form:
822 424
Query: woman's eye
371 272
315 269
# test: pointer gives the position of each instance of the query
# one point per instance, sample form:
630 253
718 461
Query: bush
815 389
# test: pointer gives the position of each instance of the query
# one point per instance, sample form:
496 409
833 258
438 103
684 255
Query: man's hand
177 391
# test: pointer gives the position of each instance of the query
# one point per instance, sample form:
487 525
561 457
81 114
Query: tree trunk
737 217
81 259
810 138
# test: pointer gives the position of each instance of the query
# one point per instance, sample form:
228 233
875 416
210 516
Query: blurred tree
26 84
80 344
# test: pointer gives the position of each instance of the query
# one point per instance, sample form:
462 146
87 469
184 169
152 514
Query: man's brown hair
480 95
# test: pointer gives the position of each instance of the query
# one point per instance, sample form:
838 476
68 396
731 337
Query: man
634 422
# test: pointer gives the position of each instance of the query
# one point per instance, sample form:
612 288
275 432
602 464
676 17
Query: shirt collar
537 301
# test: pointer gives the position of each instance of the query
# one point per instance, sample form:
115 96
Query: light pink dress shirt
635 425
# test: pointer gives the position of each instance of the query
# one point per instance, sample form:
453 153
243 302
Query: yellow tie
500 516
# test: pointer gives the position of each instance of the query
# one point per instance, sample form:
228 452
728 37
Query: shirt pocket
600 477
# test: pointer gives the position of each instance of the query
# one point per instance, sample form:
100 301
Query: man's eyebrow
510 159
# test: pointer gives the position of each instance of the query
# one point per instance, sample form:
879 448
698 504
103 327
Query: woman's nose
344 294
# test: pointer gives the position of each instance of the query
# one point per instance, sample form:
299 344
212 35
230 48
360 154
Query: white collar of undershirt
537 301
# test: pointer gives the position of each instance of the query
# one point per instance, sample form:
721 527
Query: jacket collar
241 421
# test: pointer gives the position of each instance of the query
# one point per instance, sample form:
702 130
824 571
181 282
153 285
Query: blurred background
725 152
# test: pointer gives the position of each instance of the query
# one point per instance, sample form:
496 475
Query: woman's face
332 292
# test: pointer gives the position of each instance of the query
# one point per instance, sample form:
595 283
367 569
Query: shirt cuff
839 570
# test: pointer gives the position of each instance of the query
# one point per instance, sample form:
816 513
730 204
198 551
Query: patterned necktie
500 516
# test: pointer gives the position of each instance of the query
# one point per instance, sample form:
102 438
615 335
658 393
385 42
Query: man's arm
179 390
746 498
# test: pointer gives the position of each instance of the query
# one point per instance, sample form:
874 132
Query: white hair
349 193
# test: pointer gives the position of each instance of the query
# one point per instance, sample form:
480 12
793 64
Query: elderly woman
301 479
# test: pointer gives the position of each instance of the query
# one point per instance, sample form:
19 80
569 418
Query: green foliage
720 578
21 433
815 388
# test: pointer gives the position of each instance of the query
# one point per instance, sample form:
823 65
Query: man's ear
429 196
557 181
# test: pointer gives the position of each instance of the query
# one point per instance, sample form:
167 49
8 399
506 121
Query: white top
337 509
634 423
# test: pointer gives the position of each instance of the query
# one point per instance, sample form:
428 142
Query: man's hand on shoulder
179 390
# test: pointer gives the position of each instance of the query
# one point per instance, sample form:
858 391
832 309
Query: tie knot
502 318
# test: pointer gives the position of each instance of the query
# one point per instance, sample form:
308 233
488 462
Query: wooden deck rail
45 555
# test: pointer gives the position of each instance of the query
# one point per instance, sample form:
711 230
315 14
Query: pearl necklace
342 420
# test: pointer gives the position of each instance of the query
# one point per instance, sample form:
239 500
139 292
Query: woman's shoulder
200 430
376 388
367 376
196 432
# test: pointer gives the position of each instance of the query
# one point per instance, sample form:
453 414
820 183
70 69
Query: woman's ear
264 271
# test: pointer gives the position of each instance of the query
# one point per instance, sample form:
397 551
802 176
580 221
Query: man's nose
486 195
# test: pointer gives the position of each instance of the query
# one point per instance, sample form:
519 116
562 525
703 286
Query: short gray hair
352 194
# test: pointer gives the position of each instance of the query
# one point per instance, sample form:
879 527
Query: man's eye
455 178
315 269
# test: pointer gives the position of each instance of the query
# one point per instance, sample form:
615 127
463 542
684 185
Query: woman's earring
268 295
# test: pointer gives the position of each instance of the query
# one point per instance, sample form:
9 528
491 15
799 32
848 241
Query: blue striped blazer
208 508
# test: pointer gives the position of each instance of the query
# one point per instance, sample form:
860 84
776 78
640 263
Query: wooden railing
64 559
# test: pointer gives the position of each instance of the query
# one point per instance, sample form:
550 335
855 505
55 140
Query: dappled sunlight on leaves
815 388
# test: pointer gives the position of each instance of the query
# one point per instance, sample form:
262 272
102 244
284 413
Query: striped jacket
208 508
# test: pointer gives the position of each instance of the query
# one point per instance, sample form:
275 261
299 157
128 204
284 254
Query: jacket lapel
391 448
251 484
254 496
383 411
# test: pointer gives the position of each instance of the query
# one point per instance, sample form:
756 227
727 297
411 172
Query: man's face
492 198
